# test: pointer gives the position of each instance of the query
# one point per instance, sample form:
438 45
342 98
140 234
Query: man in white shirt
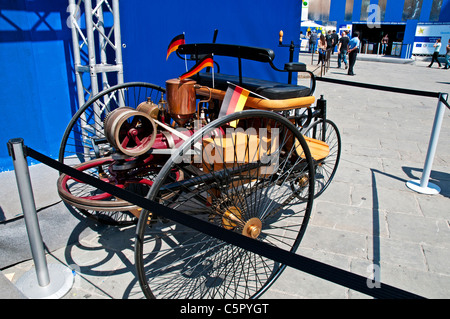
437 48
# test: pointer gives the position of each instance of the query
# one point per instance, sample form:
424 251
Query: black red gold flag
203 63
174 44
233 101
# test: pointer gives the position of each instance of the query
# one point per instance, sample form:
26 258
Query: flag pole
213 71
185 56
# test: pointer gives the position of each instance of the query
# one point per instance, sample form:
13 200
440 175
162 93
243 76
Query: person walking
384 44
322 47
335 37
437 48
447 56
342 49
329 40
313 42
353 49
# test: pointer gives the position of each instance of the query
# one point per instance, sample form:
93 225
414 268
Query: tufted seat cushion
268 89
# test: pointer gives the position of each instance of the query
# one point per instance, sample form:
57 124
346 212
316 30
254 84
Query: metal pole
91 46
16 148
118 40
291 59
43 281
102 41
423 185
75 10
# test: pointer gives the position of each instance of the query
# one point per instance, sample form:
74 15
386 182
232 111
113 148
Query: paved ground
367 216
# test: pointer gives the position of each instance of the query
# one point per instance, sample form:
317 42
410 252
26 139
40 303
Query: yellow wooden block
235 147
319 149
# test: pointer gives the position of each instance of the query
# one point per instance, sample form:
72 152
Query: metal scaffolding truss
97 46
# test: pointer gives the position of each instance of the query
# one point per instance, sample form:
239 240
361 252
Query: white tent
310 24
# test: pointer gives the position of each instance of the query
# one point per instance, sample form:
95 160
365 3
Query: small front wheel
325 131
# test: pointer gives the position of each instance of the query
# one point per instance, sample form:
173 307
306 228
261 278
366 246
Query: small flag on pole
234 101
174 44
207 61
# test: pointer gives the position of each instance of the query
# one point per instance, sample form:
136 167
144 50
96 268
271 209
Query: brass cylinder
181 99
149 108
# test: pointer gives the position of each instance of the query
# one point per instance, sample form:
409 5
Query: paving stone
418 229
350 219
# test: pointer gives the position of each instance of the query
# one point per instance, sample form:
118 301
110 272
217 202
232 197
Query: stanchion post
54 281
16 148
423 185
291 59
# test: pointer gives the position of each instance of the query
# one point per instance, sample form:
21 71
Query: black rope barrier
381 87
338 276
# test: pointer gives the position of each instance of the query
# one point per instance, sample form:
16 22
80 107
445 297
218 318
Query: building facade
411 25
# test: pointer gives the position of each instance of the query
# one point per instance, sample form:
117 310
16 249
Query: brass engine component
130 131
181 99
149 108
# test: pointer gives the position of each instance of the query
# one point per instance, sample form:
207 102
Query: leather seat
269 89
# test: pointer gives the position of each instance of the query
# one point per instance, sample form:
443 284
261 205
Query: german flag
233 101
174 44
207 61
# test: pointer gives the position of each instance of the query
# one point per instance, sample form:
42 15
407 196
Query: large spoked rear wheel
84 138
256 180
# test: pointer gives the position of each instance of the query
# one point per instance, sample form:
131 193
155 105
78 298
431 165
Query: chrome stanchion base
61 281
431 189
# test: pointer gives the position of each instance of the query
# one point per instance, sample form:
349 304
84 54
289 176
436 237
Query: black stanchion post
322 106
43 281
291 59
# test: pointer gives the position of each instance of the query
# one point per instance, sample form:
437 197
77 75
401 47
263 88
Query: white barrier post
45 281
423 185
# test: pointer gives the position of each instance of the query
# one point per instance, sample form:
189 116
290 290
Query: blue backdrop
37 87
148 27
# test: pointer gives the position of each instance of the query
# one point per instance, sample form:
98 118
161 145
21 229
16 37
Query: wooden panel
261 104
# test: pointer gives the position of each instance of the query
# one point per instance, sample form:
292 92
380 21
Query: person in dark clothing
342 49
353 49
335 37
329 40
313 42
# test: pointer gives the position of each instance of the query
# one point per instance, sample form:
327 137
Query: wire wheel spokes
87 198
325 169
256 180
84 138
